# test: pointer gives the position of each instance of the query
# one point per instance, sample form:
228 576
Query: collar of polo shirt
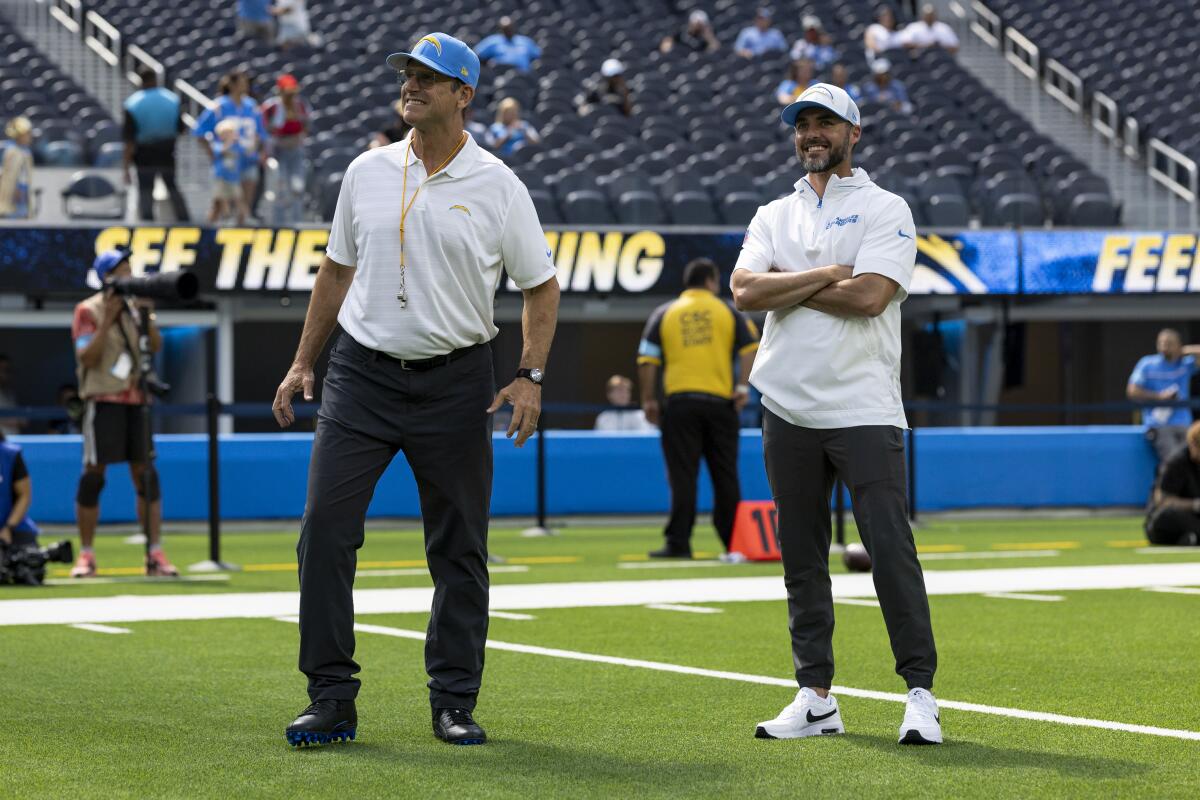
461 164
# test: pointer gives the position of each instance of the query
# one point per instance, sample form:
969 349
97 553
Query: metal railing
1064 86
1172 169
68 12
137 57
1106 117
1132 138
1022 54
192 101
986 24
102 38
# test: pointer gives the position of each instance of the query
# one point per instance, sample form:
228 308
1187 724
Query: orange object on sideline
756 531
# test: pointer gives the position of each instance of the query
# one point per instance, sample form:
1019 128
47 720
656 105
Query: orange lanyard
404 188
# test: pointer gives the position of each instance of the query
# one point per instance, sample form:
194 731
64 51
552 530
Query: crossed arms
832 290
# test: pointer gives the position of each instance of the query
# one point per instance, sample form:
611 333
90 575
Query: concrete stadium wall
263 476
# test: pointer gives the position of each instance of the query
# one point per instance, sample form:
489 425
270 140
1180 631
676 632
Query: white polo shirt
818 370
922 34
468 221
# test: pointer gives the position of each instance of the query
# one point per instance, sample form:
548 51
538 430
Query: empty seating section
704 145
70 128
1142 55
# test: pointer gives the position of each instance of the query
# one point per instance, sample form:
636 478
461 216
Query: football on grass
856 559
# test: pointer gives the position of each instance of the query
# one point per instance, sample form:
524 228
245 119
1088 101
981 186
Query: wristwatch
534 375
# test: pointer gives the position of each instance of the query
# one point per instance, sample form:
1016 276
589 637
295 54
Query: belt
422 364
702 396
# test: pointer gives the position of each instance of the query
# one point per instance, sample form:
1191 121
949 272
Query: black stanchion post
540 529
212 414
214 481
912 474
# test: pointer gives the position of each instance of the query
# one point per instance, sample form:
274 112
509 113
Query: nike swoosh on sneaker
812 718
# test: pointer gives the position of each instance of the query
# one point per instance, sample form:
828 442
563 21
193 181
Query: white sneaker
922 724
807 715
732 557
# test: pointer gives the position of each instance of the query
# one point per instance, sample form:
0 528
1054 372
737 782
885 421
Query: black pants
693 427
145 178
801 465
1173 526
371 409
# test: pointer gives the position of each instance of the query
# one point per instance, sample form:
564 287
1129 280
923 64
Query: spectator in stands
8 399
929 31
800 76
509 133
760 38
881 35
697 35
885 89
509 47
72 406
294 26
16 170
152 123
236 104
254 19
626 416
695 339
1167 375
815 45
285 117
839 77
478 131
609 89
229 195
1174 518
394 132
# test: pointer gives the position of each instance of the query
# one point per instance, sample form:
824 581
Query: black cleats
668 552
457 726
324 721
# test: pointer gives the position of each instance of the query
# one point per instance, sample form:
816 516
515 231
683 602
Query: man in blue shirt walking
152 121
508 47
1167 375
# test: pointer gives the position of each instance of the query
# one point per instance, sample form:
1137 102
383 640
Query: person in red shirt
285 116
106 356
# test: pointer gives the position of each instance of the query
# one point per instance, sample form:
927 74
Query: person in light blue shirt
254 18
885 89
815 45
228 197
236 104
1166 375
759 38
510 133
800 76
507 47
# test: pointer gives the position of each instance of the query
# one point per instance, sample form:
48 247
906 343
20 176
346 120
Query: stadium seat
1015 209
738 208
547 209
90 195
110 154
693 208
587 207
330 188
1092 211
946 211
62 154
638 207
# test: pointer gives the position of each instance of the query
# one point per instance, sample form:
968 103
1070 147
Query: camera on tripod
25 565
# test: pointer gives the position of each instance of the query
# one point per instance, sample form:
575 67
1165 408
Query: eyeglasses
423 80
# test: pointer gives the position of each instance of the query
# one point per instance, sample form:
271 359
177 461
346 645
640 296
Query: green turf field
197 708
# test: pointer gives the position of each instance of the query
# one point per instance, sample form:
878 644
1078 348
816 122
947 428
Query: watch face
535 375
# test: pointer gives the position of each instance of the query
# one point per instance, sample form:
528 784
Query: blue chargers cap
109 260
442 53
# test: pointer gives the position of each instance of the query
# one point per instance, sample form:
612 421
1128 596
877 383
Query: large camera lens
181 285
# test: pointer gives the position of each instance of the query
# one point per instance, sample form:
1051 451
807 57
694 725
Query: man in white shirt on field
831 264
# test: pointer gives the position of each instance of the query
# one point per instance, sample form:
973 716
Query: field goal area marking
766 680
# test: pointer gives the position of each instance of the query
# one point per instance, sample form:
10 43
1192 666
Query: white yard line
84 626
593 594
134 579
510 615
1173 589
1045 598
1160 549
986 554
406 572
658 666
854 601
672 564
687 609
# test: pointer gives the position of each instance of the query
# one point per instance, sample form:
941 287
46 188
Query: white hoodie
814 369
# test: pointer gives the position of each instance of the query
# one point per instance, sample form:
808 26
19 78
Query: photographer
115 421
16 495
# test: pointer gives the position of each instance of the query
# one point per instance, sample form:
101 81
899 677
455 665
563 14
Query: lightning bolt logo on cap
433 41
